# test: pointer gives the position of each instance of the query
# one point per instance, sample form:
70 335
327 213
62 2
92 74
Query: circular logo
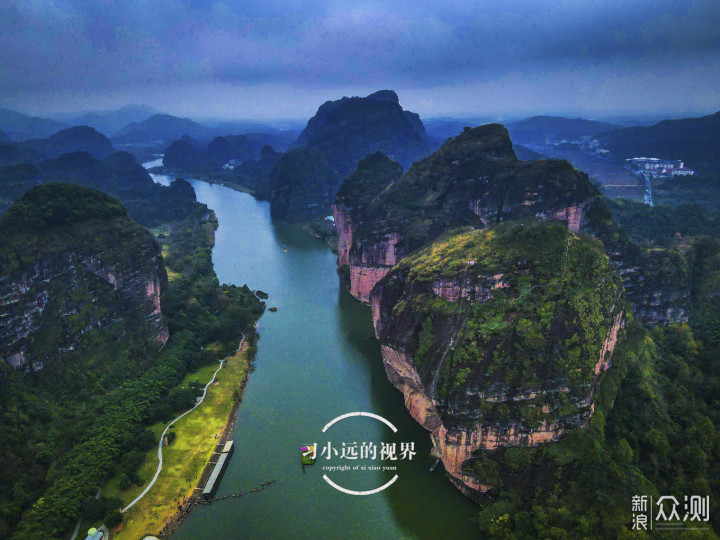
352 491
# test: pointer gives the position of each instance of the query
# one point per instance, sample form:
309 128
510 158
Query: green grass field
186 457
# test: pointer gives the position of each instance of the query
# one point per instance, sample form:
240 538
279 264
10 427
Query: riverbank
185 460
320 228
210 178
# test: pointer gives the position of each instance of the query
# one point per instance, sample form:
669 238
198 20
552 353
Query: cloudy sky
273 58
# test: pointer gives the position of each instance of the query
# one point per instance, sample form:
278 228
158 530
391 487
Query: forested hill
86 305
118 175
693 140
342 132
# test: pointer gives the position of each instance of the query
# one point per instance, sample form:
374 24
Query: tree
113 519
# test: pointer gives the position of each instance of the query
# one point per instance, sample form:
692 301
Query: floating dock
216 475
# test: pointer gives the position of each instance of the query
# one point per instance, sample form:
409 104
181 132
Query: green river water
316 360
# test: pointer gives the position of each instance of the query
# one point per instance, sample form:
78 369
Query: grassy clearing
185 459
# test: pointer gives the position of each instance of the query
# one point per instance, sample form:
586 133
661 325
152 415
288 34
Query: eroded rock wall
482 410
105 281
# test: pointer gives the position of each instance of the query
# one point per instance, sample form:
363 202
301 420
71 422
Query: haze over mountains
20 127
108 122
337 136
145 125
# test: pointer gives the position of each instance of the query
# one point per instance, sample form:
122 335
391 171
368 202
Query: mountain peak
490 140
385 95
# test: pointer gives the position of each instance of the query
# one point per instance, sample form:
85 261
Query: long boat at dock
216 475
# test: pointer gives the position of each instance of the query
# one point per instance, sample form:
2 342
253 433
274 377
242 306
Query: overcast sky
272 58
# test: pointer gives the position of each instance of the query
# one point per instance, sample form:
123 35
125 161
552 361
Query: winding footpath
160 442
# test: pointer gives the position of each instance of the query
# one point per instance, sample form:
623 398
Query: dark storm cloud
87 48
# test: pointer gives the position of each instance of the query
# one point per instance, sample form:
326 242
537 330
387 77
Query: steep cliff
74 266
497 337
474 179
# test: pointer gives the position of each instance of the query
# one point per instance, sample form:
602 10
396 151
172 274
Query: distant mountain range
21 127
74 139
161 128
694 140
108 122
539 130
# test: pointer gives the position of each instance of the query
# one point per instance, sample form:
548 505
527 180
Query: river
316 360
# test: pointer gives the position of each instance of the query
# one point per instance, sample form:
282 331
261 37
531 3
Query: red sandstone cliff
461 420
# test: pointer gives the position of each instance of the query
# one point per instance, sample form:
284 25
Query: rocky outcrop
485 350
346 130
657 282
342 132
93 270
473 180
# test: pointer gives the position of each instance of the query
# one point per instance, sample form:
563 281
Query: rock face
340 134
497 337
658 283
473 180
73 265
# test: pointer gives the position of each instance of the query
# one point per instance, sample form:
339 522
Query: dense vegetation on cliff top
67 427
59 205
540 304
478 166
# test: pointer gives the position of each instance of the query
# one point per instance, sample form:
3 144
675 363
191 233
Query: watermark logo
667 513
352 451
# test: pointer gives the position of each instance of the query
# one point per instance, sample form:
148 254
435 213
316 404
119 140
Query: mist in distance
275 59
